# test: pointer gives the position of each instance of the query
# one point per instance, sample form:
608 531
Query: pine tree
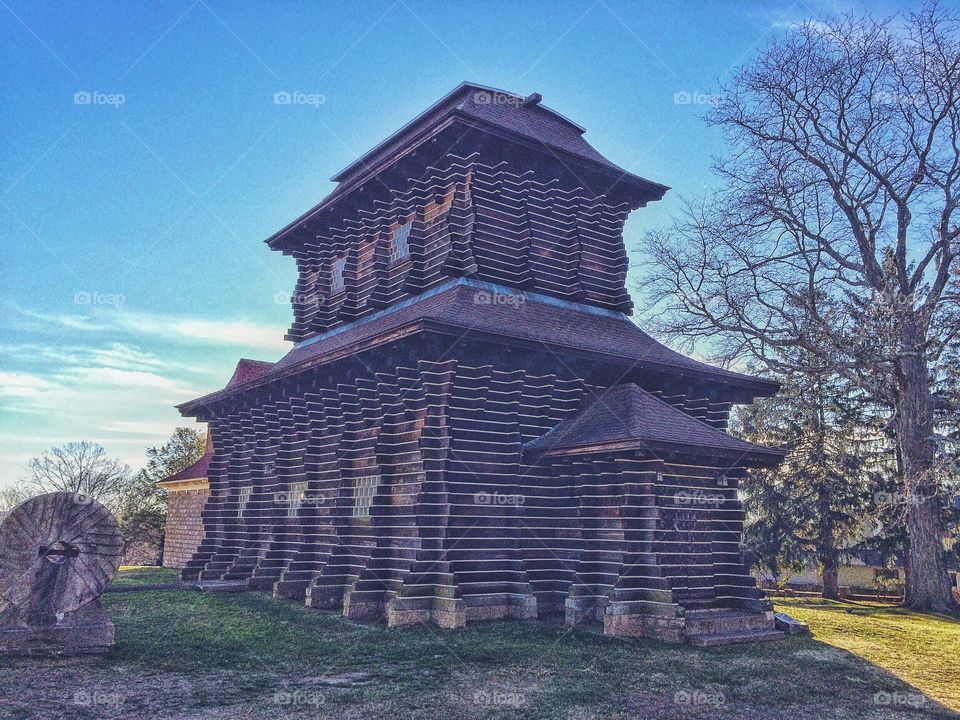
814 506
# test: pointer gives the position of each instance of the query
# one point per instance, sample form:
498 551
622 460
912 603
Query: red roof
248 370
197 470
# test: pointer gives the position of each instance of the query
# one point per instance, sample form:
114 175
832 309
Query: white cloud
238 332
133 427
228 332
25 385
107 376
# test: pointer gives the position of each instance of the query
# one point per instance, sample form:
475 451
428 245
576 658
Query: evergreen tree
815 505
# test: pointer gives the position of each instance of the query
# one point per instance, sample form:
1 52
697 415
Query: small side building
188 490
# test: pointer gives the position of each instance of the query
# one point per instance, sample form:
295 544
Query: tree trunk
928 584
827 552
831 579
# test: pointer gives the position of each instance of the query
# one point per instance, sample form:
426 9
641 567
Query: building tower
469 425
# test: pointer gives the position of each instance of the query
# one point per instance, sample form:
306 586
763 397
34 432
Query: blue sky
134 273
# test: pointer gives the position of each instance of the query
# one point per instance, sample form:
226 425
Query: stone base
451 613
354 610
447 613
86 630
515 606
325 598
656 627
580 610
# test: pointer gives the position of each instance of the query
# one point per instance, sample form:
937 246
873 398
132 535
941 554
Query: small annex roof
246 371
517 116
464 306
626 417
197 471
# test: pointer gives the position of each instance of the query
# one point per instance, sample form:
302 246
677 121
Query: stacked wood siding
395 464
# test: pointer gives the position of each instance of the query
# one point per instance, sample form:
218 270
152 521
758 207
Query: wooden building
469 425
188 490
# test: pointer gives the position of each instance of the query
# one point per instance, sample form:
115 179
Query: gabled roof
246 371
193 472
626 417
463 306
486 108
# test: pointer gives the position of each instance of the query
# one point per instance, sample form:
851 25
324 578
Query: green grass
921 650
182 654
145 575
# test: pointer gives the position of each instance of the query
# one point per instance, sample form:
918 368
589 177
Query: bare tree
81 467
835 237
14 494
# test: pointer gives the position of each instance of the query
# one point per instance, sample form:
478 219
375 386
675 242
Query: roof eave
655 190
758 456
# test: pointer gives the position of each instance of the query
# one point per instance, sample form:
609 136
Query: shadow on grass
191 655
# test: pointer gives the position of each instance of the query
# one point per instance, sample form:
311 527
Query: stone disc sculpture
58 552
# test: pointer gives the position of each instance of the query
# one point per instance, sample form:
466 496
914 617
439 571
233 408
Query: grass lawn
144 575
183 654
921 650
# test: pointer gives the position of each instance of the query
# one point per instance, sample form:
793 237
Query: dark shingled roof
628 417
484 307
483 107
503 109
463 305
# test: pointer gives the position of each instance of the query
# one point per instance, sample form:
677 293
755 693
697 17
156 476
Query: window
363 492
298 491
336 277
243 499
400 243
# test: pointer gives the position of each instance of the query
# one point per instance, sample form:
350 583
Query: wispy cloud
23 385
236 332
227 332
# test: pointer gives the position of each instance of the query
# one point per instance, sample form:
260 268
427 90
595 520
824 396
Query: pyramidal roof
627 417
522 118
